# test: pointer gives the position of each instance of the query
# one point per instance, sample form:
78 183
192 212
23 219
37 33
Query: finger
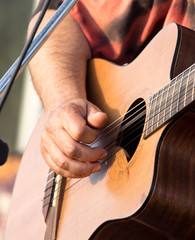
59 170
95 117
77 150
63 165
69 146
97 120
73 121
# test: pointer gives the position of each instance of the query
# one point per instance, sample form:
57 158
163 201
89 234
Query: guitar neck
170 100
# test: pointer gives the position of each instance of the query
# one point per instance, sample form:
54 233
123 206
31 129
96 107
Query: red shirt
117 30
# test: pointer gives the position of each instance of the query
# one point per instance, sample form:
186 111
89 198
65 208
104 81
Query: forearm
59 68
59 74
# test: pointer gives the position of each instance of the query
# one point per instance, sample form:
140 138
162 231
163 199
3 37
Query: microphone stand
39 40
37 43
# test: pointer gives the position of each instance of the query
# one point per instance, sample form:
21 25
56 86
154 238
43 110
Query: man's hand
68 129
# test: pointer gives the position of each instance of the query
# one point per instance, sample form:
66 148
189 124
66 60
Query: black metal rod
39 40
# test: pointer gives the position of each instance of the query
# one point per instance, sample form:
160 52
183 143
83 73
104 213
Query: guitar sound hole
132 127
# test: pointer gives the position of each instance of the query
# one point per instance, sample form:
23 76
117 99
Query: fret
175 95
193 90
54 212
190 92
149 120
49 190
165 108
154 111
155 102
50 182
162 108
169 100
191 85
187 89
157 117
172 96
182 92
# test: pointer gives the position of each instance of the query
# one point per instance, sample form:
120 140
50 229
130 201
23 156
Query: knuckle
63 164
94 135
71 150
61 112
42 150
79 132
57 170
48 127
43 137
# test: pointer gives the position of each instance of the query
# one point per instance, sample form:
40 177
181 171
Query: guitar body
147 195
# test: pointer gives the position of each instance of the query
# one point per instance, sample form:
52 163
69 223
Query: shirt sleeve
119 30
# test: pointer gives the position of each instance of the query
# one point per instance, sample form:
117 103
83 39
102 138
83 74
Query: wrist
54 106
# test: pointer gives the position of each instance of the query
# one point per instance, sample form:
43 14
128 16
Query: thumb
95 117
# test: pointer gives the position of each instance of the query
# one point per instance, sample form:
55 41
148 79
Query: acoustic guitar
146 188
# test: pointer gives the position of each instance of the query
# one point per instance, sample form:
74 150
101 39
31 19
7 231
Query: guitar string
65 190
114 142
81 178
53 178
132 109
108 147
114 152
153 99
119 119
111 147
167 90
50 180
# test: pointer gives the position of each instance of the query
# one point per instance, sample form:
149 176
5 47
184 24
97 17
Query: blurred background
22 107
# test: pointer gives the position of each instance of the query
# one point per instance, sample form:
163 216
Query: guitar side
123 196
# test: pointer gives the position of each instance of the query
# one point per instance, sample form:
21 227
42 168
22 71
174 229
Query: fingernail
96 169
104 155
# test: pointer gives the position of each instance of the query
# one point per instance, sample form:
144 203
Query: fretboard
49 192
170 100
